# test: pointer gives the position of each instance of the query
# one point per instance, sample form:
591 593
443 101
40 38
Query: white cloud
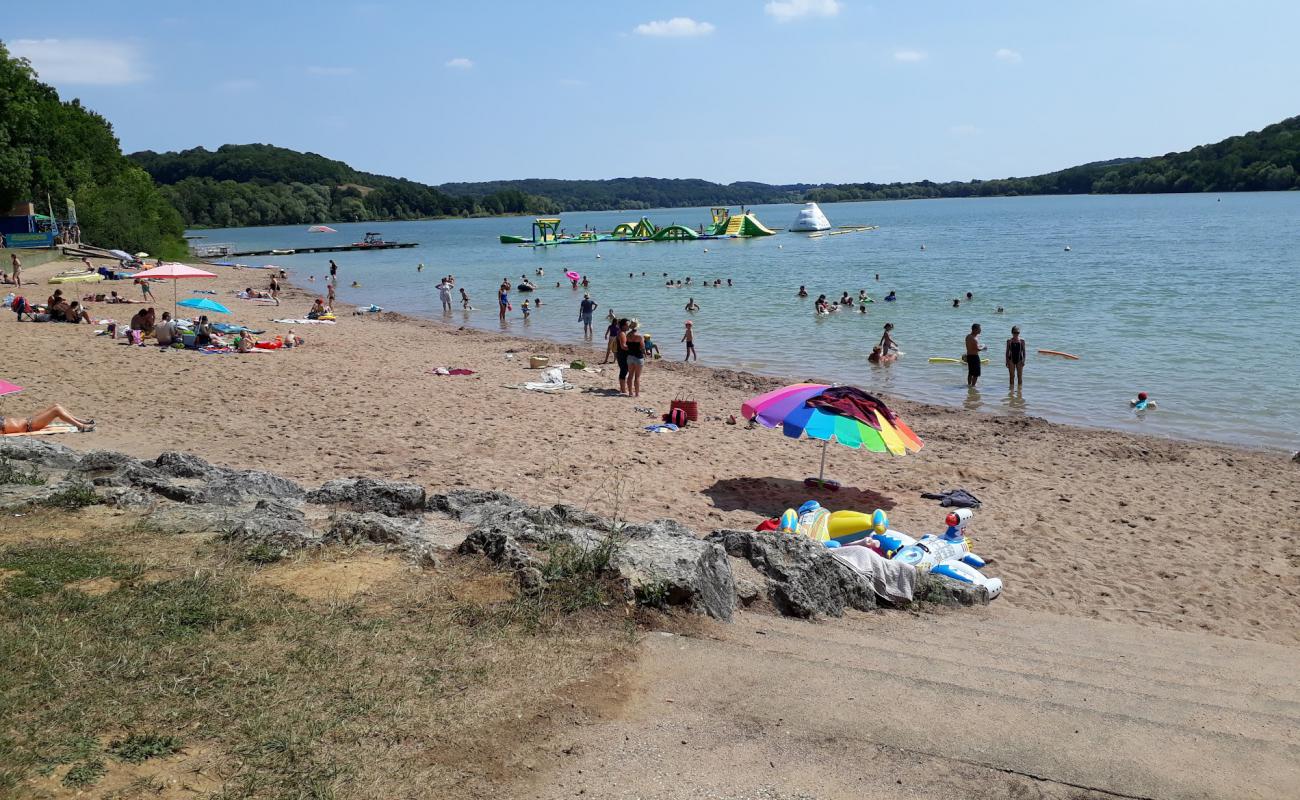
786 10
1008 55
460 63
98 62
910 56
964 129
331 72
677 26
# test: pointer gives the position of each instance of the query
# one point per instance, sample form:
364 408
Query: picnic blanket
890 579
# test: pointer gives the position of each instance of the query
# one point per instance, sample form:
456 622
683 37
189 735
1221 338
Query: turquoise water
1191 298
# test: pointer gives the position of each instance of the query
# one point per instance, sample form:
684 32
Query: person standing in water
689 339
585 310
444 294
973 350
887 344
1016 352
503 299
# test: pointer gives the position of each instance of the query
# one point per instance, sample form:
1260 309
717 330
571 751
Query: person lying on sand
114 297
42 419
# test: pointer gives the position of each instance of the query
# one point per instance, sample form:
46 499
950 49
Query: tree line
60 150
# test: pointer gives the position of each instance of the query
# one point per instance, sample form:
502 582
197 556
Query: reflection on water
1155 291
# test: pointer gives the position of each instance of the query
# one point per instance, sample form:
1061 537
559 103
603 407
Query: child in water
689 339
525 309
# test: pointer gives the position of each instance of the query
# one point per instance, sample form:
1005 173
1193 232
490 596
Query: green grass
138 748
10 474
261 554
76 496
577 577
46 568
84 773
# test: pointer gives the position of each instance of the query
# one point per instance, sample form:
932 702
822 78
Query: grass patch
78 495
261 554
10 474
578 577
46 569
84 773
422 690
138 748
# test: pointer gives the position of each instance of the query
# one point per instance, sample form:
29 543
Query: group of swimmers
716 283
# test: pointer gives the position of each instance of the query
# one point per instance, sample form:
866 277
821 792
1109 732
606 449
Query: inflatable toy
811 505
573 276
930 550
813 524
789 521
1142 402
965 573
851 526
892 541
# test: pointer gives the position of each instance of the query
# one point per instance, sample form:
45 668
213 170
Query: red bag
689 407
677 417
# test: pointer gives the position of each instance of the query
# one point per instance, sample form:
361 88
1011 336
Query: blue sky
780 91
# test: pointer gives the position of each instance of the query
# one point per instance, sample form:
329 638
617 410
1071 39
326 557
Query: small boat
321 229
281 252
373 240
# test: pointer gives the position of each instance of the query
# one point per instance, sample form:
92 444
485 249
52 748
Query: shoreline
1075 521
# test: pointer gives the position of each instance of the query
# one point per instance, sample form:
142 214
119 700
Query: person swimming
891 297
803 292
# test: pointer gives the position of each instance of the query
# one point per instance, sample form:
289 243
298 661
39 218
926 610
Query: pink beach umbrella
8 388
173 273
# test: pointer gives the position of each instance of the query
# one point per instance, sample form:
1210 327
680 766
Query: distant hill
259 184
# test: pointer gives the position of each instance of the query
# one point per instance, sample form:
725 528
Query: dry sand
1130 532
1079 522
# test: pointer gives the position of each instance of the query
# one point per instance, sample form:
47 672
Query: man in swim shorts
585 310
973 348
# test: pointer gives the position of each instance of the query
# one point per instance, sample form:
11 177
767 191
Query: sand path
995 703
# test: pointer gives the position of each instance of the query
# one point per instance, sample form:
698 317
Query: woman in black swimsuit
1016 351
635 357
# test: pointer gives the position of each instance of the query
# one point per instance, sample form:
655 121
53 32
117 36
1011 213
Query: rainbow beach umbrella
844 414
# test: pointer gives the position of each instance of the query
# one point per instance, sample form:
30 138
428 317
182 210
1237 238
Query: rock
283 534
664 559
232 487
467 504
20 496
181 465
500 548
38 451
278 508
126 498
393 498
803 580
748 592
941 589
350 528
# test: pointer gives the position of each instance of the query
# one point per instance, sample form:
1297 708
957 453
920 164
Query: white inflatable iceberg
810 218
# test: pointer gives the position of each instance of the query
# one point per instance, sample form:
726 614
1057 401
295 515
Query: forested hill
260 184
52 150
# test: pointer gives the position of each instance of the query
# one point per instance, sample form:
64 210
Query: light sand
1079 522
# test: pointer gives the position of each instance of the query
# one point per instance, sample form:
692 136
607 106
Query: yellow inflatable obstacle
849 526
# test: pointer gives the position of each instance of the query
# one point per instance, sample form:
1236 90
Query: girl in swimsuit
635 358
1016 351
887 343
42 419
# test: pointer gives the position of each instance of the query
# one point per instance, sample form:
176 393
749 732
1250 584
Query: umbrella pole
821 473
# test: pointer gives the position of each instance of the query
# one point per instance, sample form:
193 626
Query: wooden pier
331 248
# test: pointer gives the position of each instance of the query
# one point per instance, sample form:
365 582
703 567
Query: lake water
1191 298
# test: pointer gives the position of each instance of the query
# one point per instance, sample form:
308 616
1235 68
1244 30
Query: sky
781 91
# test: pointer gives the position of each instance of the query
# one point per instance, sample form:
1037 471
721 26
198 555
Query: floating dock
330 248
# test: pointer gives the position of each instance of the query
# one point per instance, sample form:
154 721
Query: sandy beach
1078 522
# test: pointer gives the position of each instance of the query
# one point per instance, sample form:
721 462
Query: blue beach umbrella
204 304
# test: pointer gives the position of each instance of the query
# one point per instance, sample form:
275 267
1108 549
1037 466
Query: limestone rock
803 580
350 528
393 498
38 451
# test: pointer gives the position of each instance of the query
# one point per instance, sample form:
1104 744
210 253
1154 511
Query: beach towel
849 401
552 381
223 327
452 371
666 427
892 580
956 498
303 321
52 428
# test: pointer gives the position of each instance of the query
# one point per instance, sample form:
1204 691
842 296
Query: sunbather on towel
42 419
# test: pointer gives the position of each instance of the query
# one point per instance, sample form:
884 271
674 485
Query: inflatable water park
547 231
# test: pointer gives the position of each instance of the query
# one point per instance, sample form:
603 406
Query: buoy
706 249
922 247
1067 248
780 247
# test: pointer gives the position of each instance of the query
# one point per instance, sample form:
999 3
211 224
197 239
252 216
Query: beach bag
689 407
677 416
